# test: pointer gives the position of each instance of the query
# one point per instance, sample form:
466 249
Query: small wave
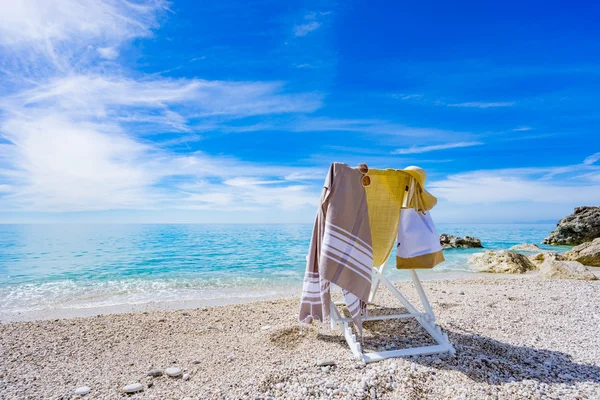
89 294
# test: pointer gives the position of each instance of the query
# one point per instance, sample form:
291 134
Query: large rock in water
565 270
450 241
587 253
581 226
502 262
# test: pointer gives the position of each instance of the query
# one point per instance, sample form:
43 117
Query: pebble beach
515 338
190 190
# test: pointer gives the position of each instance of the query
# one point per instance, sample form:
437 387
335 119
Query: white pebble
265 328
155 372
186 377
134 387
83 390
173 372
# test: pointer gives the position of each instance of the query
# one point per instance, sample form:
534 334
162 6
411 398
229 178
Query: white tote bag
418 244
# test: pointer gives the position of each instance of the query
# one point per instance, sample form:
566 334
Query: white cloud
55 21
515 194
481 104
304 176
311 23
305 29
249 182
109 53
68 151
372 126
58 164
469 104
516 185
49 36
591 176
522 129
592 159
327 124
408 96
255 197
72 124
97 95
445 146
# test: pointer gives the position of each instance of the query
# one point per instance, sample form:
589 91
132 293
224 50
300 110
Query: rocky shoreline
581 228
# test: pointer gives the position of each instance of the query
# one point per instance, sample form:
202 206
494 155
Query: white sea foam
68 294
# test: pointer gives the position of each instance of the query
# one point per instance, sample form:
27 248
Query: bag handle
414 197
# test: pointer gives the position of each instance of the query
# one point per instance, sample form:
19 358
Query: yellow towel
385 196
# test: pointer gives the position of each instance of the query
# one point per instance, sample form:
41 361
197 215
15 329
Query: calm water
52 267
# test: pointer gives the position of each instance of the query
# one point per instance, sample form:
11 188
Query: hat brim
429 200
418 177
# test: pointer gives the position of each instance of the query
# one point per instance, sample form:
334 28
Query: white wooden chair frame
426 319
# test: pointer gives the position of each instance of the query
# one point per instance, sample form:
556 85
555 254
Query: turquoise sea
71 268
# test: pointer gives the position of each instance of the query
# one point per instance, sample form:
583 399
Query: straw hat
429 200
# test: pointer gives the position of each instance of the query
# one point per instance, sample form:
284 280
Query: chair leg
422 295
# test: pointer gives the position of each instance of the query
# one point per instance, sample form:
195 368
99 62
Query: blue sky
184 111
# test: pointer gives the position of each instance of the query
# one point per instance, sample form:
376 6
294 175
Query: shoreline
508 346
172 305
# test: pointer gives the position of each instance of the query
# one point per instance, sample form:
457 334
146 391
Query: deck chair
426 319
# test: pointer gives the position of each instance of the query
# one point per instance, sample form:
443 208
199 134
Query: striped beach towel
341 251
